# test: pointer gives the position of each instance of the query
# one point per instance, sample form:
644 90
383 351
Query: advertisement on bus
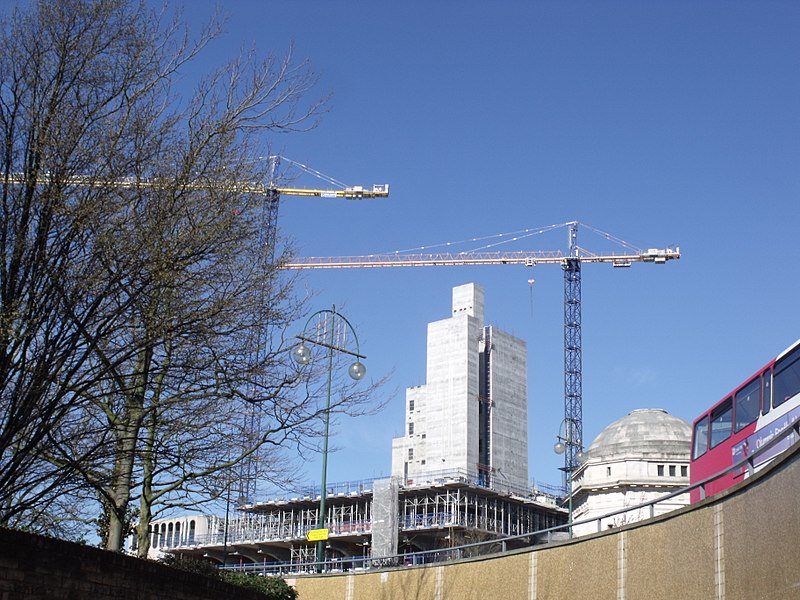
764 435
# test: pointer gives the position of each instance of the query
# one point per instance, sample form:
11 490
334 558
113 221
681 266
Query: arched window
178 540
169 536
191 531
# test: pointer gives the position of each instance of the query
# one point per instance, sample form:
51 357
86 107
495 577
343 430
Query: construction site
460 470
382 520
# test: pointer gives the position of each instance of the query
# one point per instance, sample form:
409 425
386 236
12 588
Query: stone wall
34 567
741 545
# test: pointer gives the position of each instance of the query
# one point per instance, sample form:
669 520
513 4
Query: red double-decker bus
750 416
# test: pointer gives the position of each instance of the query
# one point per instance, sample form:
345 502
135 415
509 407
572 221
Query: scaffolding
380 523
291 522
472 509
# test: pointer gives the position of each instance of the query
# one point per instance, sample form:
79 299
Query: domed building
638 458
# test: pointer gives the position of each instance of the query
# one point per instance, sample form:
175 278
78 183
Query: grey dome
644 432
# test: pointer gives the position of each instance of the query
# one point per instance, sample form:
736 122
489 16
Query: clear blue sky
663 123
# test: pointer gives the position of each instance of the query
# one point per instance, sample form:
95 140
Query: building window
410 454
411 405
684 471
411 429
423 436
422 462
672 470
660 470
191 531
608 471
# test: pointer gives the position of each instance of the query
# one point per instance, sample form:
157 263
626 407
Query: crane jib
528 259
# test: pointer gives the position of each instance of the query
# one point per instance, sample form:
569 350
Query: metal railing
501 545
345 488
494 482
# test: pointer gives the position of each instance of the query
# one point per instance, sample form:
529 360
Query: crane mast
571 434
573 359
269 230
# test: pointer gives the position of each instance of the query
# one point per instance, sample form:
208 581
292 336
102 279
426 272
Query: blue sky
663 123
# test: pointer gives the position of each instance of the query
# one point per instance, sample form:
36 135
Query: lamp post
226 535
569 441
330 331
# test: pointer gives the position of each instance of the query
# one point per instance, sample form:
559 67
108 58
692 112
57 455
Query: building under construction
382 519
459 472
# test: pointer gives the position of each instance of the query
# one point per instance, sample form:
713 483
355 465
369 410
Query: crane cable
530 285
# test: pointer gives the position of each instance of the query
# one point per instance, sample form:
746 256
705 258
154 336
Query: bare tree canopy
140 305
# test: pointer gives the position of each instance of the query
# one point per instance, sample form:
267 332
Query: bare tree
138 311
55 115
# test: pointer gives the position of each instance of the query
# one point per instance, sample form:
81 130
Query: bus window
748 403
786 381
766 397
721 422
700 437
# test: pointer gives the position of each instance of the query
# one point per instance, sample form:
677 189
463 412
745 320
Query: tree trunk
143 527
146 499
127 433
121 480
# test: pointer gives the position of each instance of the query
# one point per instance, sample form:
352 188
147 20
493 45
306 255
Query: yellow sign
317 535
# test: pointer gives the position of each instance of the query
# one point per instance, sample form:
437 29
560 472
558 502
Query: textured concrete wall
742 545
509 398
33 567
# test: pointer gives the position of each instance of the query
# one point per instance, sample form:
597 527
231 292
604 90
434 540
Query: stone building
637 458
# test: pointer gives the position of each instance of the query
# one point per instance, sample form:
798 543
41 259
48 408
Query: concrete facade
470 417
184 530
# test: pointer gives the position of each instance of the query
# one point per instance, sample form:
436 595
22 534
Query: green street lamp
331 330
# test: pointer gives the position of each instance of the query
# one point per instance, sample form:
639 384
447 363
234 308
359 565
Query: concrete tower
470 418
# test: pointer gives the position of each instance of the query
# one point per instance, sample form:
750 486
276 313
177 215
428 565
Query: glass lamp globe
357 370
580 457
559 448
301 354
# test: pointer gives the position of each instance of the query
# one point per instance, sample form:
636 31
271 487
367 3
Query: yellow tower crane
272 193
271 190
